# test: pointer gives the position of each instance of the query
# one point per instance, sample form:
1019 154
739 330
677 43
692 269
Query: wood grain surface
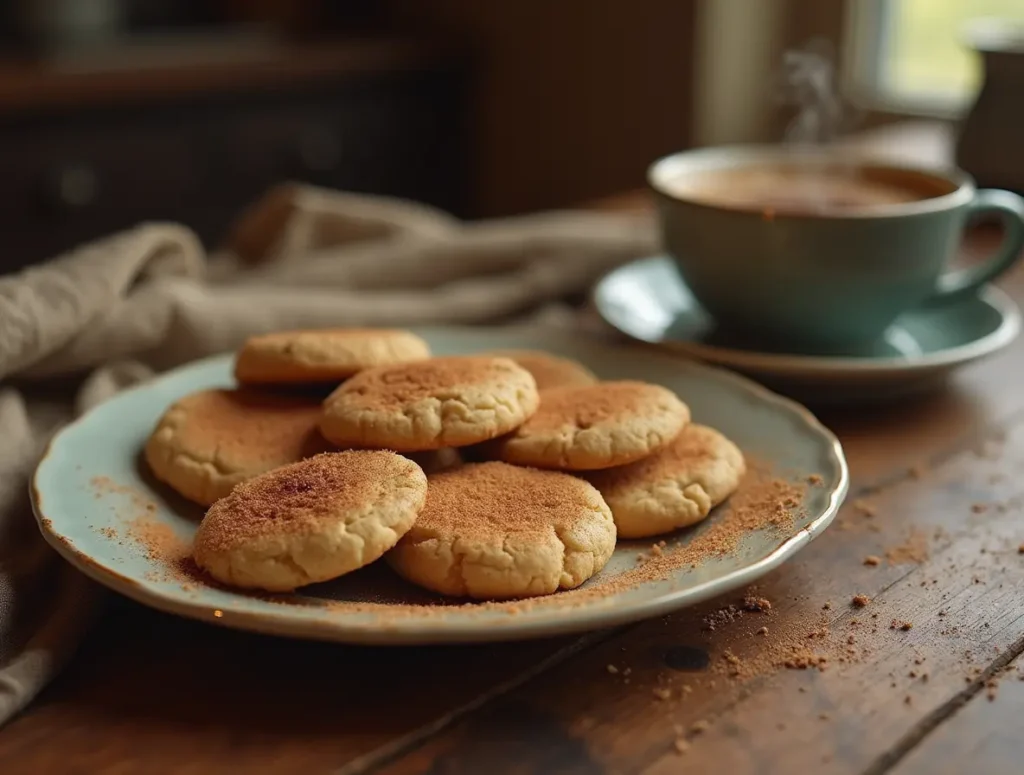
937 499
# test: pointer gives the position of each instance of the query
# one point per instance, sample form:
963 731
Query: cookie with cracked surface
324 355
496 531
594 427
310 521
442 402
674 488
550 370
209 441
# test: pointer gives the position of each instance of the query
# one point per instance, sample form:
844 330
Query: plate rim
328 629
792 365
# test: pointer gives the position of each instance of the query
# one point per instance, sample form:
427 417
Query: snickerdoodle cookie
596 426
550 370
441 402
675 487
207 442
496 531
326 355
310 521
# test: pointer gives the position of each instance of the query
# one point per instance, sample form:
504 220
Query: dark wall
571 99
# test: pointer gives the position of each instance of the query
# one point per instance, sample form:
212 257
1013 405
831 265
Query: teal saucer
647 300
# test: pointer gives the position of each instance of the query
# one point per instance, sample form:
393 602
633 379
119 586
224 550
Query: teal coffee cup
811 251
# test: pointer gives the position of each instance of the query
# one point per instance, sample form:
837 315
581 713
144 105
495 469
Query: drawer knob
74 187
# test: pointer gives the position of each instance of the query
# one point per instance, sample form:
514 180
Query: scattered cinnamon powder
899 624
137 502
756 604
803 659
158 540
914 550
724 615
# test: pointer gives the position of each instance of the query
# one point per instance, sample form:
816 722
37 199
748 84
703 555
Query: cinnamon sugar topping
296 497
591 405
392 387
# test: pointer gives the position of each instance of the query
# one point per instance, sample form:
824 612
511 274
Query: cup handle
958 283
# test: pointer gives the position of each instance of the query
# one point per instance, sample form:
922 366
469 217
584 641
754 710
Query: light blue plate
91 486
648 300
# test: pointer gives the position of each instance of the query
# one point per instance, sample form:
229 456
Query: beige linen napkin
77 329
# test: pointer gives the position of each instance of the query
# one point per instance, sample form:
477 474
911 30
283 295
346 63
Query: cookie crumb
859 601
827 606
681 746
872 559
662 693
700 726
916 471
756 604
1020 549
763 631
612 669
899 624
979 508
815 479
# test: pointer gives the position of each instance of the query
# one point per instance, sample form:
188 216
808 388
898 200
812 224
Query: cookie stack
495 475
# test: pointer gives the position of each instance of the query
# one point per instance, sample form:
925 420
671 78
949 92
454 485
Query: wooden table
152 693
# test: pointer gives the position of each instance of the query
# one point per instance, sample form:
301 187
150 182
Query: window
911 56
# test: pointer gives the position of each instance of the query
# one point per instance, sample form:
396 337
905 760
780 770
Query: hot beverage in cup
796 189
815 252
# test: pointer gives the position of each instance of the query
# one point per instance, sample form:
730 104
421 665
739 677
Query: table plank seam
943 713
390 752
928 724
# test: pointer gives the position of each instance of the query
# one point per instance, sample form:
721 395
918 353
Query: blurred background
116 111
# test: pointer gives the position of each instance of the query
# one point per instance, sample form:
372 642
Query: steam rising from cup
808 83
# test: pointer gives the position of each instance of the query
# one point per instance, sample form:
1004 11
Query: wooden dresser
89 150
